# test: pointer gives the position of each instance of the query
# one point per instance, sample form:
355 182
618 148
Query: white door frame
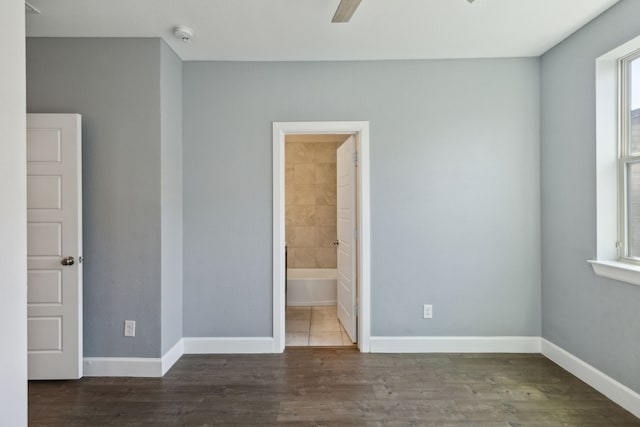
361 130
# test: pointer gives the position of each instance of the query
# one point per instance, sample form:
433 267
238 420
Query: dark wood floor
333 387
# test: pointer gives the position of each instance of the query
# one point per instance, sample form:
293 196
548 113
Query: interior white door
346 227
54 246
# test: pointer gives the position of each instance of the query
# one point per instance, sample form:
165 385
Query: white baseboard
158 366
122 367
619 393
455 344
172 356
227 345
132 366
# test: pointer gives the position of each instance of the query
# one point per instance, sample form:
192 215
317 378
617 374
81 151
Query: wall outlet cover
129 328
428 311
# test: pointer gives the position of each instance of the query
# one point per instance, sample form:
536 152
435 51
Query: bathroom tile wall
310 198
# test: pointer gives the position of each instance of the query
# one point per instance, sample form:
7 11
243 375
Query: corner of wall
171 165
13 245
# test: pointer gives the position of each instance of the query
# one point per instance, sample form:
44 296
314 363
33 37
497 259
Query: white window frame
608 262
625 156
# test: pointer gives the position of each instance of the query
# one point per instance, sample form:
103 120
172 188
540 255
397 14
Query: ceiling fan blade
345 10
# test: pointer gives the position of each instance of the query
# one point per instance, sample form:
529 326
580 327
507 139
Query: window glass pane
633 210
634 105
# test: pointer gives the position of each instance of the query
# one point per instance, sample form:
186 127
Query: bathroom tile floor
314 326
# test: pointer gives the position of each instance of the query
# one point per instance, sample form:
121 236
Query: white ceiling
256 30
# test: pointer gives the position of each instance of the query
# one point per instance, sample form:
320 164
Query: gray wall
115 85
454 189
595 319
171 196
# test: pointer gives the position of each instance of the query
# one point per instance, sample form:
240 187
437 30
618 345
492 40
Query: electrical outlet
428 311
129 328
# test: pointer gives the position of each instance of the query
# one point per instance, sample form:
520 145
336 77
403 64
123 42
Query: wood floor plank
333 387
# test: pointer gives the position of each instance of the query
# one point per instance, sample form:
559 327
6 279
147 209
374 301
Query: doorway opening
318 291
321 234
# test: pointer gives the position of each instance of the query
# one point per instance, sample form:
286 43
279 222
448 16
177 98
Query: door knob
68 261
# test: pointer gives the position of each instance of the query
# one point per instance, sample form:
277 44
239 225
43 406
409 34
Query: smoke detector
183 33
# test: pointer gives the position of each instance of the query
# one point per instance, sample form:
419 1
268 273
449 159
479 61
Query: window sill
616 270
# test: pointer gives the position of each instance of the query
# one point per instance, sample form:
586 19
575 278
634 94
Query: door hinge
355 234
618 245
355 158
355 309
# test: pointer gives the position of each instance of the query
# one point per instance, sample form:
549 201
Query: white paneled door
54 246
346 228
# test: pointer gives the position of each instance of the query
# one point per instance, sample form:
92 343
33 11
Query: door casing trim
361 130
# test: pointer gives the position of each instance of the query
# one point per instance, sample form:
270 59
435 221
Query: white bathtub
311 286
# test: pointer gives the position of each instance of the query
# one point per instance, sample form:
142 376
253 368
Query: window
629 163
618 164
